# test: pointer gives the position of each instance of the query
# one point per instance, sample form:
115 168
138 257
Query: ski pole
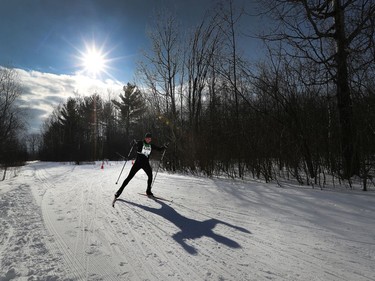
125 163
123 157
157 170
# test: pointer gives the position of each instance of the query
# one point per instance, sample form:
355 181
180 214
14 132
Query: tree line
91 128
303 111
12 149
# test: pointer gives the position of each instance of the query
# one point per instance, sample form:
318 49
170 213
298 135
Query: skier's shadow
190 228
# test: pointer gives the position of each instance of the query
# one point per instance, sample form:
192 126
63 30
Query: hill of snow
57 223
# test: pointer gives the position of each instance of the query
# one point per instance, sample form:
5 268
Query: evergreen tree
131 107
69 120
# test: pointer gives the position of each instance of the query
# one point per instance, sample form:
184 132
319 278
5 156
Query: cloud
42 92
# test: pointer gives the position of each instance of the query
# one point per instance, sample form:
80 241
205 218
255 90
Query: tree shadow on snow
190 228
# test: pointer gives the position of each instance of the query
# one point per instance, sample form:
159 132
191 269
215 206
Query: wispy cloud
42 92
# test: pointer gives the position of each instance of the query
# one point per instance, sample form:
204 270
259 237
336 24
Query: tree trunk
344 101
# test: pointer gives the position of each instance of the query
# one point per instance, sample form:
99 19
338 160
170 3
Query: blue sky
46 39
48 35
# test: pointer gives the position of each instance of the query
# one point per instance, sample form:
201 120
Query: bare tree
163 64
33 143
9 92
10 116
161 72
229 20
330 34
202 48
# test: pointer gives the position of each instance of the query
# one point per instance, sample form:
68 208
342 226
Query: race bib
146 150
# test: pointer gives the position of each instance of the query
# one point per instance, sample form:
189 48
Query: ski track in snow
23 237
57 223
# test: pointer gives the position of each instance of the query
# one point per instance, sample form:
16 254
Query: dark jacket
144 149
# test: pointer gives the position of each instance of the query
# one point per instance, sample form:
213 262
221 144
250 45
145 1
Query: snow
57 223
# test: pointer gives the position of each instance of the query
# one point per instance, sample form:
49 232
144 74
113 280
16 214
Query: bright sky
57 44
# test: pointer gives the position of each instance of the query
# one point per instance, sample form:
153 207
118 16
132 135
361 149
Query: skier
144 148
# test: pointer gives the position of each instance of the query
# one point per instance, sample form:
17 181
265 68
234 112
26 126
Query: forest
304 111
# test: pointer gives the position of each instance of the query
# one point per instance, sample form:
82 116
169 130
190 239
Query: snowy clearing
57 223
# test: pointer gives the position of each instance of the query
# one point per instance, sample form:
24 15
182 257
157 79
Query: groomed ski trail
212 229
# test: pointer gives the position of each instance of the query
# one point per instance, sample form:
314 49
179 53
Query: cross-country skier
144 148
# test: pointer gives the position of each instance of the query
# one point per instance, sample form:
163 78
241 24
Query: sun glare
93 61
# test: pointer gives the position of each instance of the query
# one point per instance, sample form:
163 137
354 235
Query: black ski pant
140 163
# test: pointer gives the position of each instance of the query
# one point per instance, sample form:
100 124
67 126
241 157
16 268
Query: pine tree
132 106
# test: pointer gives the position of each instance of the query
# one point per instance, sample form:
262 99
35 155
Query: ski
155 197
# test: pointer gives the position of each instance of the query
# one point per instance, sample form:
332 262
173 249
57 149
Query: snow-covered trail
57 223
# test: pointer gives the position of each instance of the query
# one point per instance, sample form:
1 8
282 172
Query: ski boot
149 193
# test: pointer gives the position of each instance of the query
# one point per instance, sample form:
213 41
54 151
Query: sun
93 61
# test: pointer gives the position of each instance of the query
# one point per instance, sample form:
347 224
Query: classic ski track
157 233
25 241
72 265
77 265
162 258
102 206
155 237
86 224
139 265
125 248
220 269
152 254
85 228
83 224
86 239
